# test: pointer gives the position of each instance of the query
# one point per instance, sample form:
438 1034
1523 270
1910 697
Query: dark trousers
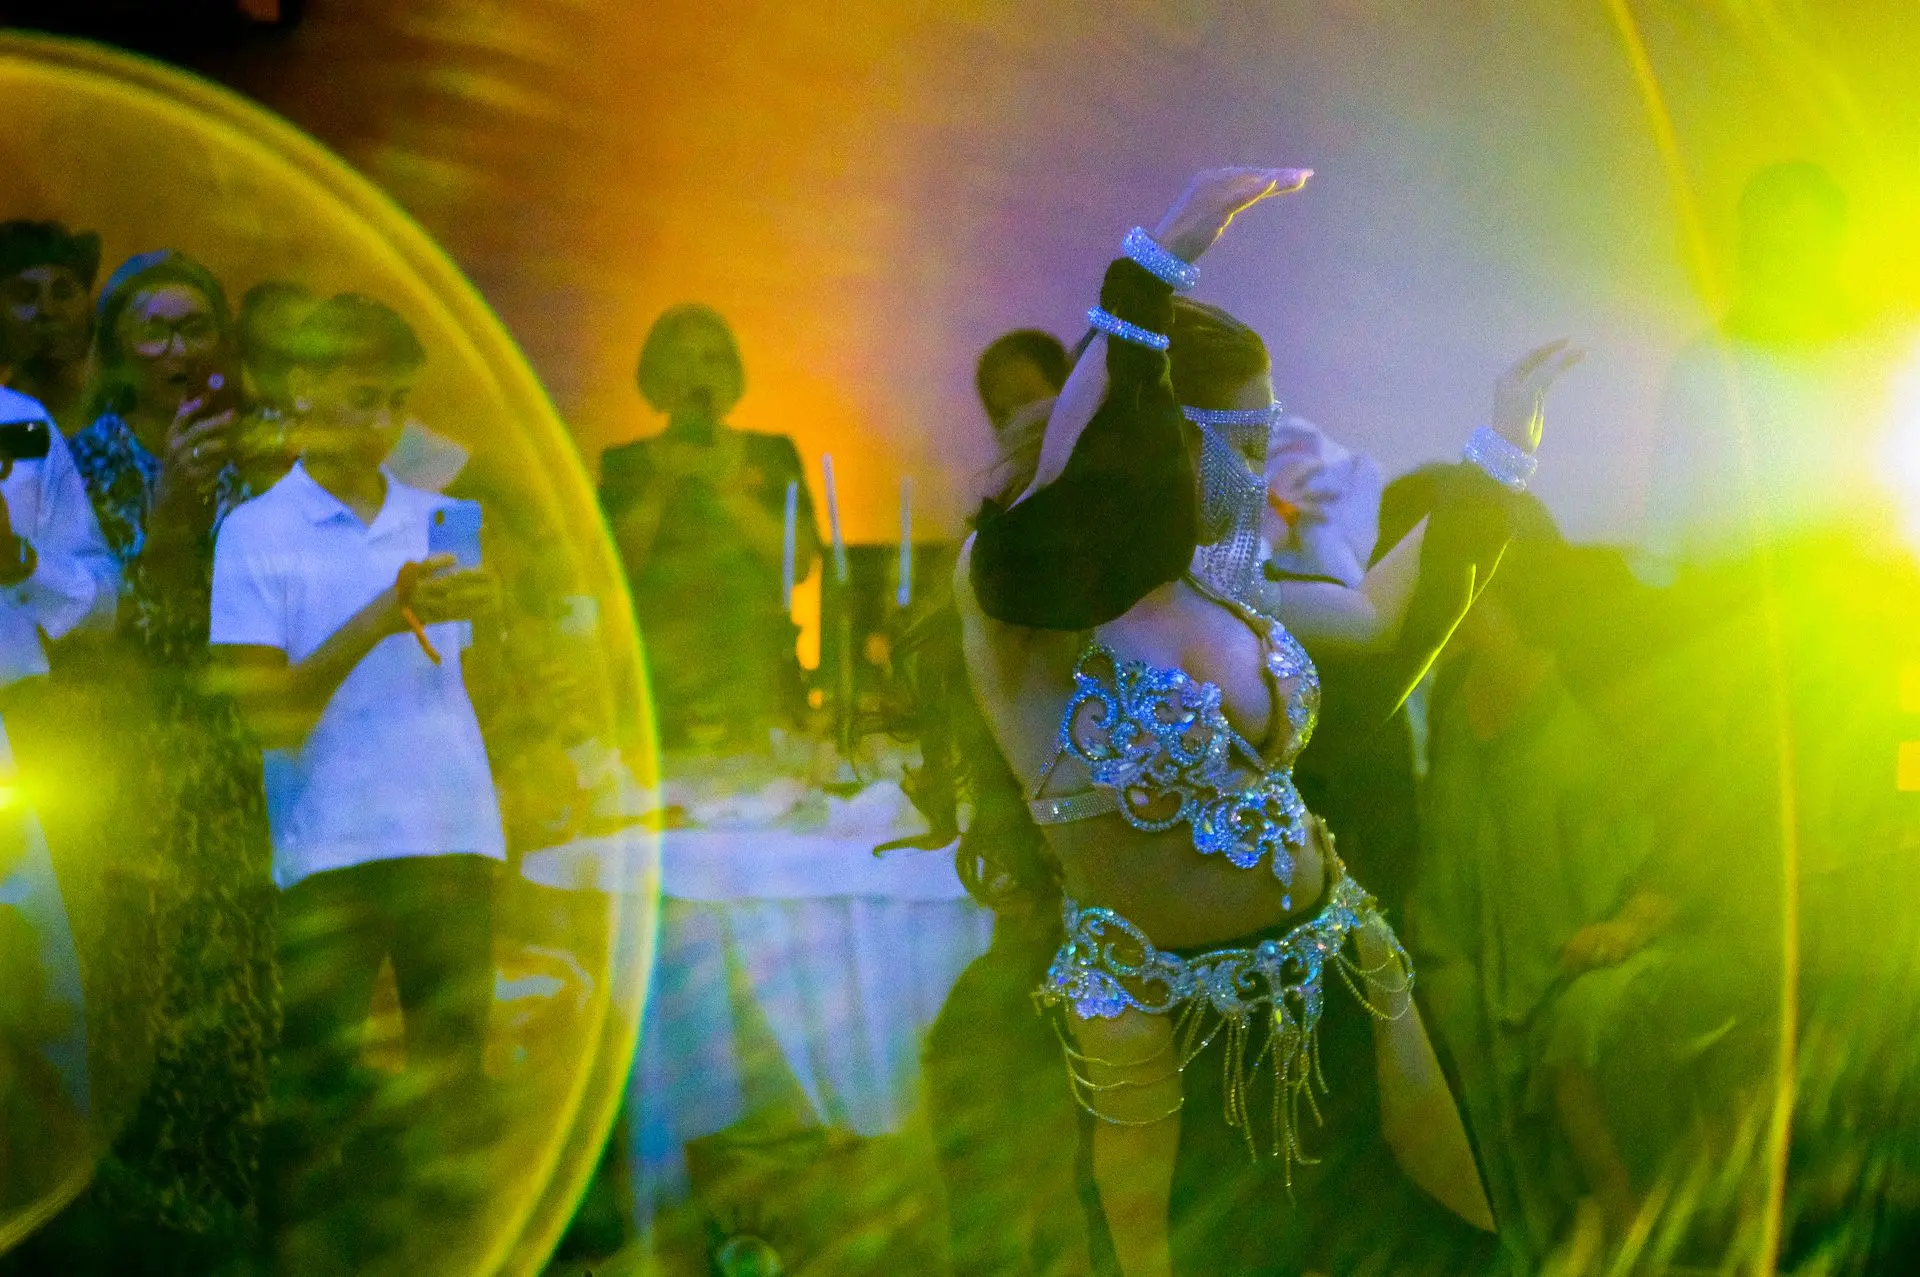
352 1160
432 916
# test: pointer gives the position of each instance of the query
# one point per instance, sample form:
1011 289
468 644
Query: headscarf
141 273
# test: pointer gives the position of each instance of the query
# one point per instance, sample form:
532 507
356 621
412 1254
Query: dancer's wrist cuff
1114 326
1150 255
1502 460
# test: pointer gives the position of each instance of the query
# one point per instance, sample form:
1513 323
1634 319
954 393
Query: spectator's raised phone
24 440
455 529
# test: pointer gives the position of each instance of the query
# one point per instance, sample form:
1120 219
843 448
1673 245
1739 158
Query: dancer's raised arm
1110 512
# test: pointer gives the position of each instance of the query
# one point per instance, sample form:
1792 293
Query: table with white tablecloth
841 958
794 972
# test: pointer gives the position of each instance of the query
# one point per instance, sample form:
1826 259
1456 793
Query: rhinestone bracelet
1231 416
1114 326
1148 253
1503 461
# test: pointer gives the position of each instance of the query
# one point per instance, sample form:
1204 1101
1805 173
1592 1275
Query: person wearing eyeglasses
185 953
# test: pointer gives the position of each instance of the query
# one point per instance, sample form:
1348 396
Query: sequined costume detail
1108 966
1159 750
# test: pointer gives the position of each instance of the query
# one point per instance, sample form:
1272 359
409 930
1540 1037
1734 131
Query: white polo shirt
395 766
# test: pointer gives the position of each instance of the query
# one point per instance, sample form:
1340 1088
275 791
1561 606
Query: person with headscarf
157 453
47 275
183 954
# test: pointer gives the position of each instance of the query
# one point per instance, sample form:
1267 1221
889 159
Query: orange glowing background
871 189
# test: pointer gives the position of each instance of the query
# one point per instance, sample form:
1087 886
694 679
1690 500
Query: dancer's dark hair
1213 355
1003 857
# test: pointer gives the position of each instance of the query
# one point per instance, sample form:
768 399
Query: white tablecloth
794 972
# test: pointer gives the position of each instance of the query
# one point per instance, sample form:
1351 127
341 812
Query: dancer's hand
1520 396
1214 198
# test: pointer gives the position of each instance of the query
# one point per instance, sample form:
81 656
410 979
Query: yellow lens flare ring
186 163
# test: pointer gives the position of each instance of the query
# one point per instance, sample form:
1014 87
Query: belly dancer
1220 968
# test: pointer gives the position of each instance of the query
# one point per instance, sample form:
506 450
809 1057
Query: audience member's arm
1331 617
764 531
281 699
1612 941
75 586
665 464
636 526
637 484
782 462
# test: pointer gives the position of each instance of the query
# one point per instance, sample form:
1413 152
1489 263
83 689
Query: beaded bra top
1159 749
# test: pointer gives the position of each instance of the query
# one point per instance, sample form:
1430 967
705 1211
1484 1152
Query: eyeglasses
153 336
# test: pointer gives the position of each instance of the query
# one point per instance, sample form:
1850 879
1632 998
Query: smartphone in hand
25 440
217 395
454 529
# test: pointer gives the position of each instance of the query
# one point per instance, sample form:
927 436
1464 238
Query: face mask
1232 494
1228 486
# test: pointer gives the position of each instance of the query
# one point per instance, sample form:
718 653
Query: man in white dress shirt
56 577
1775 512
1774 425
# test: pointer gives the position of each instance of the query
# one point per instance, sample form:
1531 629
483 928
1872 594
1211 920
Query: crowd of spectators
254 704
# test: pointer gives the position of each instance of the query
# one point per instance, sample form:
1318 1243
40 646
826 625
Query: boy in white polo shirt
385 822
